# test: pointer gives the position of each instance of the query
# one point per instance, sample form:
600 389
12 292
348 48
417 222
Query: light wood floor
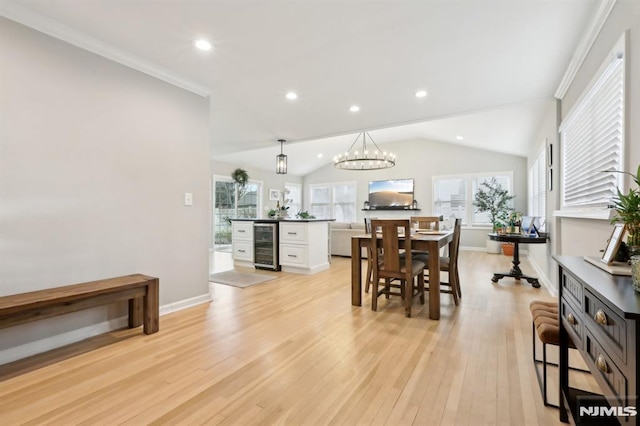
294 351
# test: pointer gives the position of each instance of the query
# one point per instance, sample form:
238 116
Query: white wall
584 236
422 159
540 254
94 161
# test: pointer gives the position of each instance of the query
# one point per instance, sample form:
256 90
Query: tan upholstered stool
546 325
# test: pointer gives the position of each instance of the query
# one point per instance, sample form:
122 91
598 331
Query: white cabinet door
291 255
243 250
242 240
242 230
293 233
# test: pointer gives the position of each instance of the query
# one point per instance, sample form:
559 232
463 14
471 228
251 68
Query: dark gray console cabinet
599 313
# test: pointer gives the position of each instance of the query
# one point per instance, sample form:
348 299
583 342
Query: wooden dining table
424 242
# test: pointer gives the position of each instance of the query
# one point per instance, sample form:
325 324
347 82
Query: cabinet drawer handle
601 364
292 255
240 230
292 233
600 317
241 251
571 319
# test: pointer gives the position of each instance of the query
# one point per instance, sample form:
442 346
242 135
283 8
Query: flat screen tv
396 194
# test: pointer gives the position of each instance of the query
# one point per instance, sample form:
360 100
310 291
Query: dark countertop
283 220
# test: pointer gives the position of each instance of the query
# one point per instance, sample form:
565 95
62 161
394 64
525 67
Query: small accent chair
448 265
392 265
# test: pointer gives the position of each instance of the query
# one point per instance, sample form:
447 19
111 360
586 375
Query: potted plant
304 215
241 178
492 198
627 208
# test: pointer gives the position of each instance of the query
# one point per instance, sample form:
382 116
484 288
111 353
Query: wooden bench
141 291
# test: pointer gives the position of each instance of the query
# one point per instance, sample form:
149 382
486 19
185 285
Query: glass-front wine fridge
265 253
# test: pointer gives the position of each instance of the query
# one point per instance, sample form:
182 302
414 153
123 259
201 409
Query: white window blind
333 201
453 195
537 195
592 137
450 197
293 193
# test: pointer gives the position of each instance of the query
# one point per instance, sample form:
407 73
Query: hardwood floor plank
293 351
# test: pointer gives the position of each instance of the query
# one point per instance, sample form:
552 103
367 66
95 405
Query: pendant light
281 160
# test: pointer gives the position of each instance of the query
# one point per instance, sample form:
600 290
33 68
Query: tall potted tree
495 200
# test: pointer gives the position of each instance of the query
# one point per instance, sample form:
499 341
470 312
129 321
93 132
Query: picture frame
614 243
274 194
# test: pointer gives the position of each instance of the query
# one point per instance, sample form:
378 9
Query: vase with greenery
495 200
627 208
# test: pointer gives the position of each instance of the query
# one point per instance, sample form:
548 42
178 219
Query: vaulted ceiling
489 66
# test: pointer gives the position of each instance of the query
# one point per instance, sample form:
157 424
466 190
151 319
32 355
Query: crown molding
585 44
57 30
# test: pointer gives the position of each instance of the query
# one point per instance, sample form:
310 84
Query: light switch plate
188 199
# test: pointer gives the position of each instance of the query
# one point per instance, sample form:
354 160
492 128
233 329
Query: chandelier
363 157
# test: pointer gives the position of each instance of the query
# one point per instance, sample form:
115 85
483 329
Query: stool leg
533 341
544 374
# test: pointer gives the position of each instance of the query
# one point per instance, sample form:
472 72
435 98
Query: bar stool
547 327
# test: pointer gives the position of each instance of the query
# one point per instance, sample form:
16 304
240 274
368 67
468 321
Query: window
453 195
592 137
333 201
450 197
537 191
232 204
294 196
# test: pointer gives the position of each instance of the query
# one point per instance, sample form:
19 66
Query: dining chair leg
454 286
458 284
369 275
374 292
421 287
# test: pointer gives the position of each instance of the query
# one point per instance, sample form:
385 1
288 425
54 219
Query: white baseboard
184 304
472 248
42 345
542 277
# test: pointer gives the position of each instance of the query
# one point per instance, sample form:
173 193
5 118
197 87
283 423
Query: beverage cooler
265 250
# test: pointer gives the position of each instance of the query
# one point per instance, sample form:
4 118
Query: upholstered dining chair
448 264
392 265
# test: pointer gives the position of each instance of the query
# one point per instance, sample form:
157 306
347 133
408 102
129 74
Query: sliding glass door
230 203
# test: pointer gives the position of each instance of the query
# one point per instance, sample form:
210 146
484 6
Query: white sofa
341 233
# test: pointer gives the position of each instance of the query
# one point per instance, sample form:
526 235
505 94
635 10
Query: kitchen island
299 246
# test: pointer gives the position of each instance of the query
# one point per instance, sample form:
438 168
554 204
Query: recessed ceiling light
354 108
421 93
291 95
459 138
319 155
203 44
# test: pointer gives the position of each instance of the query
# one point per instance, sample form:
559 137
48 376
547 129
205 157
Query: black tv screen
396 194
